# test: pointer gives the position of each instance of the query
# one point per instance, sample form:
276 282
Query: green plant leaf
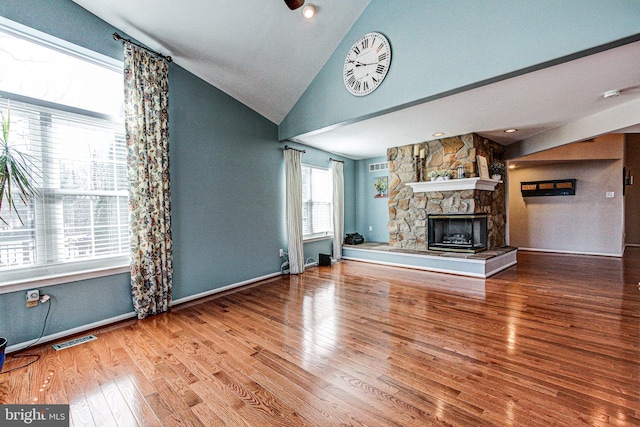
17 182
5 126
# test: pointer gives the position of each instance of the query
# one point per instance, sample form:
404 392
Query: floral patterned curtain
147 136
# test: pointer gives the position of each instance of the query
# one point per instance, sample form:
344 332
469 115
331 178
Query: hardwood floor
552 341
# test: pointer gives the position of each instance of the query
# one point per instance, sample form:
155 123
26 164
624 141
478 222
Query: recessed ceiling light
511 130
437 134
309 11
611 94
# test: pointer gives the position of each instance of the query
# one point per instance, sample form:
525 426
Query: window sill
60 278
316 238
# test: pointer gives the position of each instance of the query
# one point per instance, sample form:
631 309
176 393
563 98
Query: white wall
586 223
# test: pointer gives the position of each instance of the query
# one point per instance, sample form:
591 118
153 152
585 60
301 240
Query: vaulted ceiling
258 51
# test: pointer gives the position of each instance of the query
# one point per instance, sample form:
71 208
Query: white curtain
338 208
293 177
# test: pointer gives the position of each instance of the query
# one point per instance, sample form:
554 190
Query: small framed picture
483 168
381 186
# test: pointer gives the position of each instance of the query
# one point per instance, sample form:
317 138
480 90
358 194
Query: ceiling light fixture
438 134
611 94
309 11
510 130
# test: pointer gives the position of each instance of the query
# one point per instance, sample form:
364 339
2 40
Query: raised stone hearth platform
483 264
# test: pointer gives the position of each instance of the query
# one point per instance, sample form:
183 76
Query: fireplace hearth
457 232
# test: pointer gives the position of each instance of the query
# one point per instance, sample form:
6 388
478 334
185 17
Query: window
317 212
66 108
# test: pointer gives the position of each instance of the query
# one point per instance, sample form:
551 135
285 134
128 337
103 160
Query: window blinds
316 202
79 163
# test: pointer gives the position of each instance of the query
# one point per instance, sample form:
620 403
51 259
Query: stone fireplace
409 211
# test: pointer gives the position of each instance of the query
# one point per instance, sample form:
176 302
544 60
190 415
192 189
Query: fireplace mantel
455 184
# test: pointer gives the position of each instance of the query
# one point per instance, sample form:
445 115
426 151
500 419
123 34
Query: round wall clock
366 64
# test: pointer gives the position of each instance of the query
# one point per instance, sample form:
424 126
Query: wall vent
374 167
76 341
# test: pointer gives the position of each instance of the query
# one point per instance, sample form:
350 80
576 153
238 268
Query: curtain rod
336 160
117 36
286 147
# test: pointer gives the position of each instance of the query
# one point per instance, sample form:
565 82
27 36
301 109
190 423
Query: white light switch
370 228
610 195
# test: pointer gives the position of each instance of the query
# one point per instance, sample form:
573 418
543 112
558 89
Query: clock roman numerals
367 64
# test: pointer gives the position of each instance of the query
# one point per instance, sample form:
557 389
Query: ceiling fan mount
294 4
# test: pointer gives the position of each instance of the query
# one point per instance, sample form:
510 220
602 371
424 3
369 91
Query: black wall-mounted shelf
556 187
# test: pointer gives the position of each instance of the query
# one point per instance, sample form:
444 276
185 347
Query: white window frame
312 237
13 279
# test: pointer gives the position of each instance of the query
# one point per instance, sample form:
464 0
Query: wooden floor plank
554 340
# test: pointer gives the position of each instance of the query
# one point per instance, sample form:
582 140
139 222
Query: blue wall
225 163
227 172
370 211
441 47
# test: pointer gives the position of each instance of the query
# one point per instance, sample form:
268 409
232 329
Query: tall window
66 115
316 202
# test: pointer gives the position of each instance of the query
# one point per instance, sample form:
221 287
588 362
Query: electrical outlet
371 228
610 194
281 253
33 296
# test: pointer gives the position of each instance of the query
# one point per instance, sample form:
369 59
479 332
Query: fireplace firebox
457 233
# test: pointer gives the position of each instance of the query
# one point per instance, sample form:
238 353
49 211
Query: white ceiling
265 56
258 51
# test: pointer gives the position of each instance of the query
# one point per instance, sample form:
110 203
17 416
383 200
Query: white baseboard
308 265
222 289
111 320
557 251
72 331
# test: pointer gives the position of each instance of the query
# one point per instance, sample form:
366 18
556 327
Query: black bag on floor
353 239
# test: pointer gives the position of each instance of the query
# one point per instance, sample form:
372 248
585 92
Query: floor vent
374 167
71 343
